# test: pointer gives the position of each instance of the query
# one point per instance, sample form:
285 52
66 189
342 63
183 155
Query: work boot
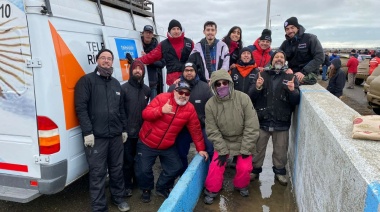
122 206
145 196
243 191
281 179
209 197
163 192
254 176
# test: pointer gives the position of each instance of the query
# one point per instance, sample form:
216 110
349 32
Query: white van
45 47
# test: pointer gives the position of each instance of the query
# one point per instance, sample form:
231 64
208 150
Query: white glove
89 140
124 135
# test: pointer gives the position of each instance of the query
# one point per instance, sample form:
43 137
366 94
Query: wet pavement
265 194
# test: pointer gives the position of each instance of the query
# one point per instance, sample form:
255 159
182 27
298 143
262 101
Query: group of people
225 98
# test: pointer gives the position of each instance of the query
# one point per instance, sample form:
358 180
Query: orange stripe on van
70 71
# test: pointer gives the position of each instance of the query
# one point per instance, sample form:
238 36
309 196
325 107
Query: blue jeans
183 142
145 159
153 93
324 72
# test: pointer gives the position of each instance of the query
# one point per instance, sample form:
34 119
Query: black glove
244 156
221 160
129 58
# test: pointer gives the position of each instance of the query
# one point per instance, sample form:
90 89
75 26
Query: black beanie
174 23
266 35
244 50
291 21
103 50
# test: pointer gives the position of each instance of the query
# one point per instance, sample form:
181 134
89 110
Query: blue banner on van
125 46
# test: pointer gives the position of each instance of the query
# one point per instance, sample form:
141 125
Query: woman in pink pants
233 128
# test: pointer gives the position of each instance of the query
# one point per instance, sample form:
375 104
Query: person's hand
290 84
143 53
167 108
203 154
244 156
89 140
129 58
259 82
299 76
222 159
177 81
233 65
124 135
289 71
261 69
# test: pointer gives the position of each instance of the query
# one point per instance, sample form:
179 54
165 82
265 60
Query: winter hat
103 50
183 85
174 23
244 50
337 63
291 21
137 63
266 35
377 54
190 64
274 54
353 51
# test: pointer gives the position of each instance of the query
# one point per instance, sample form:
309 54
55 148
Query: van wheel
359 81
376 110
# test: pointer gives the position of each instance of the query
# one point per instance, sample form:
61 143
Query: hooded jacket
136 98
99 106
261 56
231 122
160 130
304 52
337 82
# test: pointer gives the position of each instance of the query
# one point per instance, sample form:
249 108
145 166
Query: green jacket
231 122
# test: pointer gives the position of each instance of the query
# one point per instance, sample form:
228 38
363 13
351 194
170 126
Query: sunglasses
183 92
218 84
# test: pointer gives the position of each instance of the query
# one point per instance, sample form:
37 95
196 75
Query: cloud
338 24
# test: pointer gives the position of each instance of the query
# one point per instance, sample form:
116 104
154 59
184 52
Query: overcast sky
338 24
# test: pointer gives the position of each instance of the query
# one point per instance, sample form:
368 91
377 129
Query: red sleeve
195 130
153 111
152 56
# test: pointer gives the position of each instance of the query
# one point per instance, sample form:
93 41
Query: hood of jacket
258 48
133 81
337 63
221 75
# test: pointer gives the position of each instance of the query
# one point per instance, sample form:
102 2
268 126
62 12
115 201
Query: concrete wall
186 192
329 170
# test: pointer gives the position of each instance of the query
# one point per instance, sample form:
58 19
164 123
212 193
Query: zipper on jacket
108 108
176 110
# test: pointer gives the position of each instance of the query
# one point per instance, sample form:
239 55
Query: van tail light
48 136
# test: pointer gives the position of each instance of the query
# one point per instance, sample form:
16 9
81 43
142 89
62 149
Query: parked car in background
363 67
370 78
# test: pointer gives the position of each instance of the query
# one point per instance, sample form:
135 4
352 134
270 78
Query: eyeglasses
106 58
218 84
183 92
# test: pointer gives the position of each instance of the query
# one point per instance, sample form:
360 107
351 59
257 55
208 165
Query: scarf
233 45
105 72
245 70
223 91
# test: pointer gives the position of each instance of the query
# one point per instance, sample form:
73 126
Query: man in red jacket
164 118
352 65
175 50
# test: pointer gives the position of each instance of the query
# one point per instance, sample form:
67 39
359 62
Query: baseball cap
183 85
148 28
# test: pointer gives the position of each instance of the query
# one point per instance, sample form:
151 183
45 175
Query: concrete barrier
186 192
329 170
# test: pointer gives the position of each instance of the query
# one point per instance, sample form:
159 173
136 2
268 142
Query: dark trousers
145 159
129 161
183 142
106 153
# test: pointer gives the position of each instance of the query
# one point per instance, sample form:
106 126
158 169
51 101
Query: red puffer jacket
261 57
159 130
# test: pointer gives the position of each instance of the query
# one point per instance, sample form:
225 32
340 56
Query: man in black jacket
200 94
274 95
136 98
155 69
304 52
100 110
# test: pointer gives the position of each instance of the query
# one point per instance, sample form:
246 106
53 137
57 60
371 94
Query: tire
376 110
359 81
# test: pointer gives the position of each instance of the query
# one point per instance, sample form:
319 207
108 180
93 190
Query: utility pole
268 14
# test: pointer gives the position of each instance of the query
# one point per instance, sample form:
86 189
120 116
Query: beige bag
367 127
